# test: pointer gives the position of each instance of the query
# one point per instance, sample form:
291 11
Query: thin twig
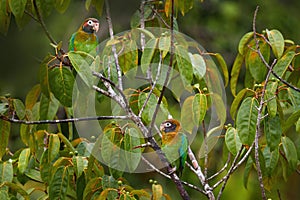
31 15
201 177
41 21
230 171
59 121
205 149
160 17
172 51
153 86
259 115
221 170
142 22
183 193
114 50
169 177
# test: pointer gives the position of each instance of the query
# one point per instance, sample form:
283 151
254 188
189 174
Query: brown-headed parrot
85 39
174 144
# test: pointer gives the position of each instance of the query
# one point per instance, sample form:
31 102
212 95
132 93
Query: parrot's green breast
82 41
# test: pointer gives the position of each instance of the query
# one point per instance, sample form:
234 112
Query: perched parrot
174 144
85 38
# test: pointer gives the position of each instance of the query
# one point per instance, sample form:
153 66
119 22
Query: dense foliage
92 121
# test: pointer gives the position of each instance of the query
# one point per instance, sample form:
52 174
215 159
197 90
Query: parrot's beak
96 27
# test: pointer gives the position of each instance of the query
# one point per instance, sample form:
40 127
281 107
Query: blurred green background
217 25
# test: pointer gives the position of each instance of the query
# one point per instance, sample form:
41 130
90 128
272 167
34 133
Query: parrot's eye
168 124
90 22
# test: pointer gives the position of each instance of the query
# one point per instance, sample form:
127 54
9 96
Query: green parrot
85 38
174 144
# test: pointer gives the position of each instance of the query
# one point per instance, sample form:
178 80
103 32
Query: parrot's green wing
86 42
176 151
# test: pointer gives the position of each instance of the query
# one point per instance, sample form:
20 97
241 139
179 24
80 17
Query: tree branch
111 33
259 115
41 21
59 121
230 171
201 177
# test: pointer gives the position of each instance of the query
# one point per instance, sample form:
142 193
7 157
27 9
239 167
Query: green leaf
247 171
113 155
4 136
135 20
185 6
248 79
148 53
98 5
273 131
298 125
235 72
25 133
62 5
257 68
232 140
199 108
270 98
80 186
246 120
129 57
4 107
82 62
290 152
5 17
184 65
133 155
53 146
237 101
61 84
150 106
48 107
92 187
23 160
186 117
198 64
271 159
220 107
224 67
108 182
277 42
88 4
45 6
17 7
291 120
32 96
164 44
78 165
44 76
19 108
16 188
242 47
294 97
4 194
6 171
45 167
283 63
34 174
59 183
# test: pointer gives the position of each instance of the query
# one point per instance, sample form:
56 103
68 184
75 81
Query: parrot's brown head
170 125
90 25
